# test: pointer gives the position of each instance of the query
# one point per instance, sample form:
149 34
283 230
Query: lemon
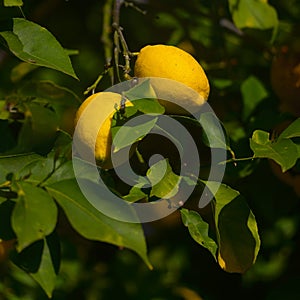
187 86
93 126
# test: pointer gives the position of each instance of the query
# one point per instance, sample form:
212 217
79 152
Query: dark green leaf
92 224
42 50
49 92
39 130
282 151
236 228
164 182
15 163
253 14
34 215
199 230
253 92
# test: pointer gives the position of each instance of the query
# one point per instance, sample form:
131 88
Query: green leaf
34 215
292 131
48 92
92 224
236 228
253 92
135 194
256 14
41 260
131 134
42 50
148 106
143 90
282 151
13 2
199 230
15 163
144 98
214 136
164 182
46 275
39 129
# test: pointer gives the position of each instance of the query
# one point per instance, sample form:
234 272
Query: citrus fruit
95 116
187 86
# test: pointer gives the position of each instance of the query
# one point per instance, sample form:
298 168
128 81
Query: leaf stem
235 160
106 36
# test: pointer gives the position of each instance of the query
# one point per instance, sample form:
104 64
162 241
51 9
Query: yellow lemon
187 86
93 127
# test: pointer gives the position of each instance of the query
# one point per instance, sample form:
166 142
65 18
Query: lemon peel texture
97 118
164 61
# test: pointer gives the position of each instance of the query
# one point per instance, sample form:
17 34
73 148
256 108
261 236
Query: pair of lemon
158 61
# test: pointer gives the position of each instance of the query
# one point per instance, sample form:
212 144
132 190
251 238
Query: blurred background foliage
182 269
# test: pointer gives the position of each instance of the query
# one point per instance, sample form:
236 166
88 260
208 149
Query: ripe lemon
93 127
187 86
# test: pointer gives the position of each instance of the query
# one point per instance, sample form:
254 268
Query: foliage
251 226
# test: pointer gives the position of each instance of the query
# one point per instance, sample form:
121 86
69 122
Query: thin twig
121 40
106 37
235 160
132 5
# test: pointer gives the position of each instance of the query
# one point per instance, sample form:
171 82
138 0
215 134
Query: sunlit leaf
46 275
41 260
127 135
142 90
34 215
135 194
199 230
293 130
36 45
282 151
164 182
214 135
13 2
257 14
92 224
